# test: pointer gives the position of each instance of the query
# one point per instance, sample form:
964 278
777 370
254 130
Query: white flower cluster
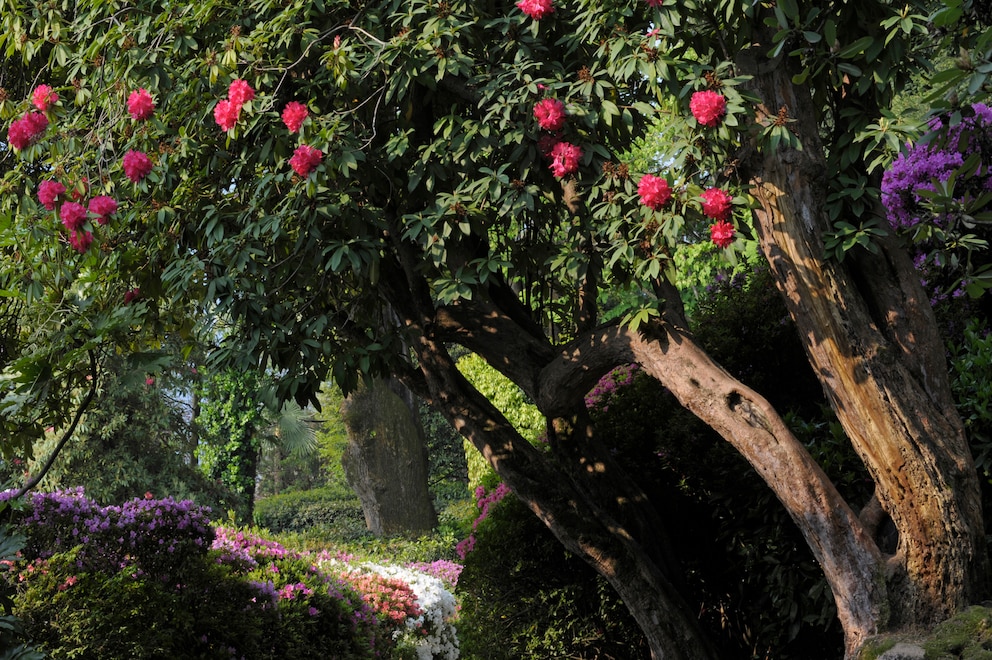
439 610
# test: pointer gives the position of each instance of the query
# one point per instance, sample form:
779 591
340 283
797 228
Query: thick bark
874 349
386 462
850 559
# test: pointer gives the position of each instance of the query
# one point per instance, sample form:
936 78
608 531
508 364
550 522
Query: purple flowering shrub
939 194
152 578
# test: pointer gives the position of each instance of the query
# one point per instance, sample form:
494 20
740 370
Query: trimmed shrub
335 510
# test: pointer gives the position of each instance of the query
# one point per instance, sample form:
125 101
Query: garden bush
152 579
333 508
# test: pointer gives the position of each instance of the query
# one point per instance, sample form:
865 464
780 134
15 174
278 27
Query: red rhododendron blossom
103 207
44 97
140 105
654 191
293 115
73 215
306 159
536 9
80 240
547 144
716 203
240 92
708 107
136 165
654 3
550 114
226 114
722 234
27 129
131 295
49 193
565 159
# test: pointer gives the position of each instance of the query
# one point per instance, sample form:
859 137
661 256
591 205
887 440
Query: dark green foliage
230 421
135 438
446 453
523 596
335 509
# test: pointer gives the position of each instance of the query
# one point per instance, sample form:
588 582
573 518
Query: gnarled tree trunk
870 336
386 462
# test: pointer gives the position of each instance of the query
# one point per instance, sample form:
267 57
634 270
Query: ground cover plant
154 578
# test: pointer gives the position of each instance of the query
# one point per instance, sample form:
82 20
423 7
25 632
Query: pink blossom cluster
654 191
140 105
136 165
293 115
484 502
564 156
550 114
536 9
716 204
44 97
305 159
25 131
390 598
227 111
708 107
51 195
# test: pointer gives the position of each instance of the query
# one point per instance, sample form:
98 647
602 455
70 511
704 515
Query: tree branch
34 481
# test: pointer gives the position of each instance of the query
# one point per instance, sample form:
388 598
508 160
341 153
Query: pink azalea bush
550 114
708 107
654 191
140 105
293 115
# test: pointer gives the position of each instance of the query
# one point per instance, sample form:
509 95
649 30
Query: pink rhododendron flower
44 97
73 215
49 193
80 240
140 105
550 114
565 159
103 207
240 92
654 191
226 114
708 107
293 115
131 295
26 130
722 234
305 159
716 203
654 3
136 165
536 9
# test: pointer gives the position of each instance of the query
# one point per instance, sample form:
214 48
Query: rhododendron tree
442 212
